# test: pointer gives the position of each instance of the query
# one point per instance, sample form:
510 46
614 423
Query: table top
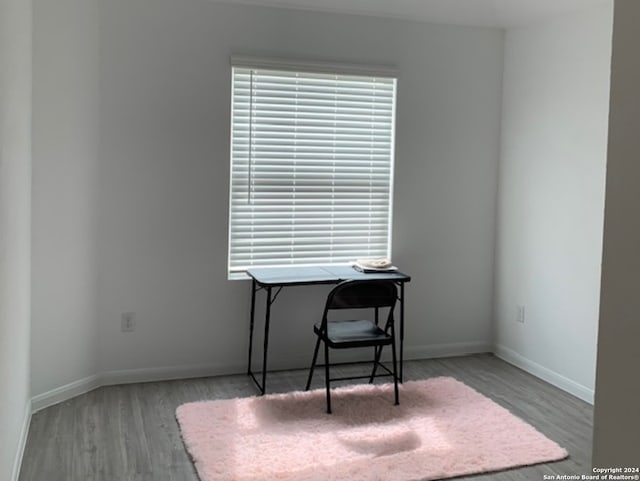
303 275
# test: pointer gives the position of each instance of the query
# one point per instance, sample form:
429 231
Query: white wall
164 167
15 230
65 148
554 137
150 218
616 437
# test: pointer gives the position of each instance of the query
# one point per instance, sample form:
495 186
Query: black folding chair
345 334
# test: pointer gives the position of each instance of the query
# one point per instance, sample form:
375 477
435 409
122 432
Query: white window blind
311 167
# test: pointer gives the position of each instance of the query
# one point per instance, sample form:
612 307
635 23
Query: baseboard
22 442
431 351
168 373
545 373
128 376
63 393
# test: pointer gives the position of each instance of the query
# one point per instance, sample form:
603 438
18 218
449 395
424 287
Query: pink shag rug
441 429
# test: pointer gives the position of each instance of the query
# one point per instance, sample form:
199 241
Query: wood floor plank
85 447
129 432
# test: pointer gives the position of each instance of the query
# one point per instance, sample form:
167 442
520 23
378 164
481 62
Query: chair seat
344 334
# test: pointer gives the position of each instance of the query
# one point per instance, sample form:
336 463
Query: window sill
238 276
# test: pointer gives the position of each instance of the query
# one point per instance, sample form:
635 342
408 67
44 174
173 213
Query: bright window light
311 167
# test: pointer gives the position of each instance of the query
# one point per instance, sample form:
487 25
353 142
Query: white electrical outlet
520 316
128 322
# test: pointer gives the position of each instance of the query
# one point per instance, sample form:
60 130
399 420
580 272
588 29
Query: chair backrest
360 294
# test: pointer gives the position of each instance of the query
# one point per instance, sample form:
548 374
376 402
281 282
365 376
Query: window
311 167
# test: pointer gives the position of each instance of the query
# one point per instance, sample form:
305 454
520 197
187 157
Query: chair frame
338 300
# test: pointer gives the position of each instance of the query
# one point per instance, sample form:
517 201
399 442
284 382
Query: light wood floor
129 432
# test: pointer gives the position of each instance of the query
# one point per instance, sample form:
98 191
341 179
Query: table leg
251 323
266 341
401 328
269 300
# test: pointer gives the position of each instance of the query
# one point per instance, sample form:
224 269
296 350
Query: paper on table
374 265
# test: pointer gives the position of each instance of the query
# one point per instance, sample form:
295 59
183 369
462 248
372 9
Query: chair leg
326 376
313 364
376 359
395 371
